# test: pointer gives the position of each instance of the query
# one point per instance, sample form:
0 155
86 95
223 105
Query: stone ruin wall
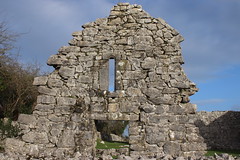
151 91
220 129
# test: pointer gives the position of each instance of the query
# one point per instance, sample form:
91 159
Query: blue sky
211 29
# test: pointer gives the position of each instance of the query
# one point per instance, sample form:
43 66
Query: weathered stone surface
46 99
151 92
44 108
66 101
47 91
172 148
36 137
14 145
55 83
40 81
55 60
27 119
66 72
67 139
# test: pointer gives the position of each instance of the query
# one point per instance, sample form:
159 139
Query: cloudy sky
211 29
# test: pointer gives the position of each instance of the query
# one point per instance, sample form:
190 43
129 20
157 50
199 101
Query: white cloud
208 102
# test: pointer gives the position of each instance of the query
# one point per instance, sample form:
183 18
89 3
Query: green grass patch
111 145
230 152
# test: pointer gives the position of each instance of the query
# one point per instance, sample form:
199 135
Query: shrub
7 129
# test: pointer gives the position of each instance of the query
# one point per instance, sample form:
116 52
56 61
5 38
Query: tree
6 39
17 94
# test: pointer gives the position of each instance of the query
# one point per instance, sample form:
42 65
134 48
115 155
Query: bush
7 129
17 94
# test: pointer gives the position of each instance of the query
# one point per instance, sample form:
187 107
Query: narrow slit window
111 70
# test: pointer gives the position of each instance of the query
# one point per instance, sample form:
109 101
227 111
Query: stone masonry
151 91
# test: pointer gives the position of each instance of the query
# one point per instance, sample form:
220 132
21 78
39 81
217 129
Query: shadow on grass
230 152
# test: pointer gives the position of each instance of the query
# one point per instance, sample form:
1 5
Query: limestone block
176 109
134 117
143 40
137 75
44 99
115 21
135 139
161 109
172 148
143 47
148 108
66 72
36 137
144 32
89 24
40 81
159 41
189 108
180 85
13 145
134 130
152 92
99 116
54 118
194 137
177 39
32 150
27 120
54 60
117 138
66 101
127 106
79 68
168 35
137 147
44 108
103 78
152 27
159 33
100 108
153 136
159 119
77 34
166 99
47 91
170 90
90 31
67 49
63 110
52 82
134 92
101 21
113 107
67 139
148 63
194 146
84 79
122 41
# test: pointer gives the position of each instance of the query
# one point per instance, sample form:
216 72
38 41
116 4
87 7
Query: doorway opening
112 137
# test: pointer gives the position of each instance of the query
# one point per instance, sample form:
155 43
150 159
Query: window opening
111 78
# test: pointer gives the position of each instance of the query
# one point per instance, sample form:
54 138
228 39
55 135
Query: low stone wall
113 152
220 130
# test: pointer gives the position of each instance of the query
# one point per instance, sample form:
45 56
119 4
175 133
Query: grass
111 145
230 152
